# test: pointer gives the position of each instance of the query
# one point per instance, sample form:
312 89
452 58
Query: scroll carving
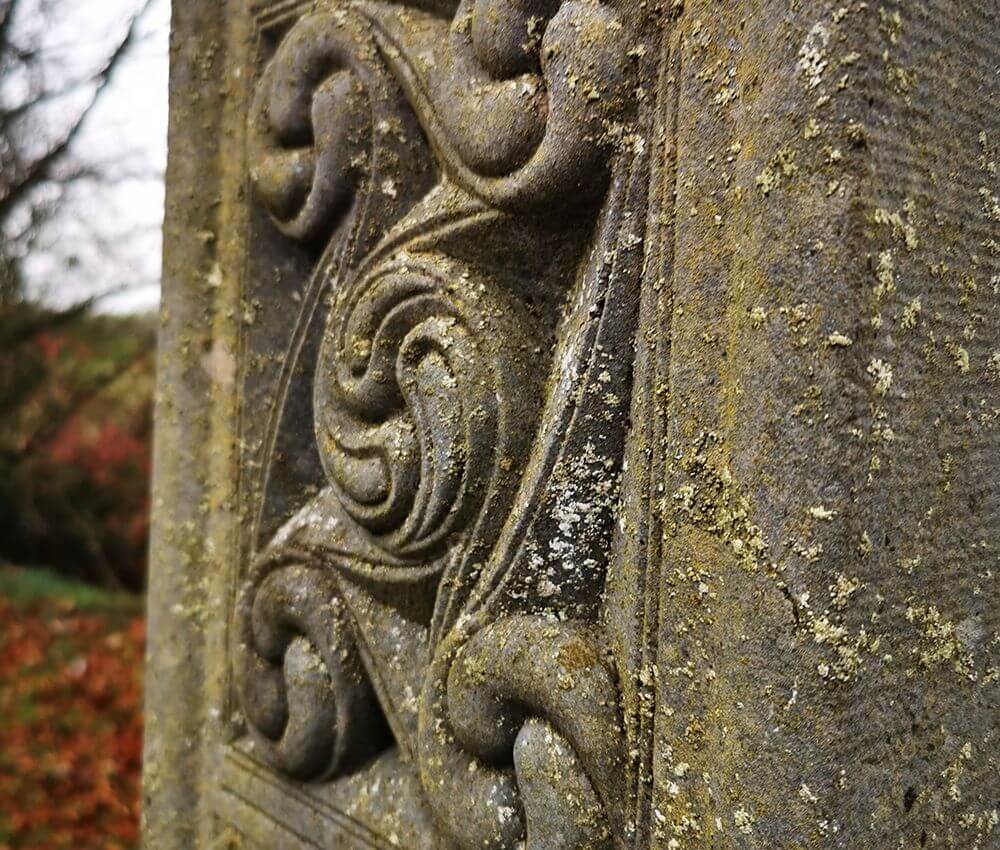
301 682
520 99
520 693
470 395
418 399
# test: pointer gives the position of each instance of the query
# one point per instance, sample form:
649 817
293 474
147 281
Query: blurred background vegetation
75 428
82 150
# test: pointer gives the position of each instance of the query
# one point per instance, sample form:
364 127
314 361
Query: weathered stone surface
578 427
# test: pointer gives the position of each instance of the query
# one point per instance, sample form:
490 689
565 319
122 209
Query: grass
20 586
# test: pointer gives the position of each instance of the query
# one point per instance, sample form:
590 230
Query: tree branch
42 167
7 11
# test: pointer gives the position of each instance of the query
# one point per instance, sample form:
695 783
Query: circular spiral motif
407 404
309 707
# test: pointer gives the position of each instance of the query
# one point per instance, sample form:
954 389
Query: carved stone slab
578 427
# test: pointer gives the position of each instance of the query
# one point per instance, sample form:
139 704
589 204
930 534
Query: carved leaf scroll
495 708
517 96
326 120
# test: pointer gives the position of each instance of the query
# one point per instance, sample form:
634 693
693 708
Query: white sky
107 235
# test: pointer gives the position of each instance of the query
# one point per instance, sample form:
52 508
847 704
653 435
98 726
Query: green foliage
21 587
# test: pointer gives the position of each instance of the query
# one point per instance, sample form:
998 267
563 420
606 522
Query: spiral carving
411 389
524 99
307 119
327 115
310 710
522 714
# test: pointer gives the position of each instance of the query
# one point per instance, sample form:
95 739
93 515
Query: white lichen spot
806 794
743 820
882 373
821 513
812 55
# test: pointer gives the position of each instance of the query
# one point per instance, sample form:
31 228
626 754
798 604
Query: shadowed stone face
612 457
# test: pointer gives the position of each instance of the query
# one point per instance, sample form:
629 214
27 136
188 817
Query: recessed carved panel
448 229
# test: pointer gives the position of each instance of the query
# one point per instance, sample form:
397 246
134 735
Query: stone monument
578 427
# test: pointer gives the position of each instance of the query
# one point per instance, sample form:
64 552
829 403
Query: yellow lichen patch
885 273
781 167
910 313
901 230
939 641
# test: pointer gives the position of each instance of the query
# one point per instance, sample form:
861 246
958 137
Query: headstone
578 427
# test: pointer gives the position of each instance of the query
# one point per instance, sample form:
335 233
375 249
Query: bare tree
48 93
53 88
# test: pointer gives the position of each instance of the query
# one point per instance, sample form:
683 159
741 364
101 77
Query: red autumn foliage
75 429
109 458
71 736
51 345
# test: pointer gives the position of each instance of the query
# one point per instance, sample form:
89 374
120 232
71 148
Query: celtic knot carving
469 398
311 710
